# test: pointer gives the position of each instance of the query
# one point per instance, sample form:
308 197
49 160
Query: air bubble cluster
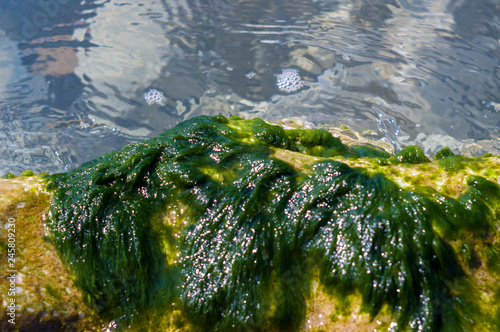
289 80
250 75
154 96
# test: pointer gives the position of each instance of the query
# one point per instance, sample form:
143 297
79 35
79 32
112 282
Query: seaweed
207 217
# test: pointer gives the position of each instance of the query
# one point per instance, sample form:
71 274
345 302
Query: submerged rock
231 224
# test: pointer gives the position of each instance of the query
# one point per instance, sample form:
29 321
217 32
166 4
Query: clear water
74 74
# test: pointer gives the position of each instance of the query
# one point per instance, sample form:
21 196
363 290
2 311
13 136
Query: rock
232 224
43 292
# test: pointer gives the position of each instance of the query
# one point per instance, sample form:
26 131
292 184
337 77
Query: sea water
83 78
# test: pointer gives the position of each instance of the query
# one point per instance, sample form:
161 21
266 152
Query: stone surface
44 294
47 298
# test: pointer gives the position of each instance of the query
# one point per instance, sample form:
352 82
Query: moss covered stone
410 155
232 224
44 294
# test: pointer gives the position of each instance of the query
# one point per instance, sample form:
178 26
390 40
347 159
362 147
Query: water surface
75 74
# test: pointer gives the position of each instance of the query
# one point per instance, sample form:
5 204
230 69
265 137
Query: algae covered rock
36 291
238 225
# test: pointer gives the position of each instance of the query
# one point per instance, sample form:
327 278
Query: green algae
492 253
256 230
444 153
410 155
370 152
27 172
8 175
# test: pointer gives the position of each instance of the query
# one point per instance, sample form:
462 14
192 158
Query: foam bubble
154 96
289 80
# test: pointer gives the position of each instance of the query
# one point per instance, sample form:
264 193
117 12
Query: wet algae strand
211 219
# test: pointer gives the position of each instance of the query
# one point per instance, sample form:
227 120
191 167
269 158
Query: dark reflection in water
74 74
37 94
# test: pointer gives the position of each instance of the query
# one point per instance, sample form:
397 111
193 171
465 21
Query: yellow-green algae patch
411 176
44 294
231 224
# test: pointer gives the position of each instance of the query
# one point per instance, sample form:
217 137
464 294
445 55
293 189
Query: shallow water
74 75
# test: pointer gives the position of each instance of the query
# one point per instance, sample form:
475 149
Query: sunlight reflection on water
74 75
